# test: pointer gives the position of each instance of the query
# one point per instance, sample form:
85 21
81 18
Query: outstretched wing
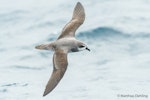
77 19
60 65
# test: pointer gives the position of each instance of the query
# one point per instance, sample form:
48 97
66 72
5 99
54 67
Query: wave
107 32
26 67
3 90
102 32
15 84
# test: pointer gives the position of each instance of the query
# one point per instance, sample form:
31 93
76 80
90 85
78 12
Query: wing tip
79 11
47 91
44 94
79 4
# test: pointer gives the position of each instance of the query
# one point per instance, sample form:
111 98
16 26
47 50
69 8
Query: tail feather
44 47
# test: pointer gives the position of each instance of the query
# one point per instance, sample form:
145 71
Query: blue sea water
116 31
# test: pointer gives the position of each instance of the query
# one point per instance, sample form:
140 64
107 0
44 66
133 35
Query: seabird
65 44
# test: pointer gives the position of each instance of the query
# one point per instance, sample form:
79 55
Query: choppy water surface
116 31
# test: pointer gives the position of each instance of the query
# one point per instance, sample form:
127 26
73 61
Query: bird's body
65 44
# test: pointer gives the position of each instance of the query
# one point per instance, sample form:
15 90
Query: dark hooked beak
87 48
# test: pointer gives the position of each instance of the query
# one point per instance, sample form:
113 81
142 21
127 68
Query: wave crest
101 32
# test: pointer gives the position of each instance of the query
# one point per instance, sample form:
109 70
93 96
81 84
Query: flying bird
66 43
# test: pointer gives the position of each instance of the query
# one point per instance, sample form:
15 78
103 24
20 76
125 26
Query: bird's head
82 47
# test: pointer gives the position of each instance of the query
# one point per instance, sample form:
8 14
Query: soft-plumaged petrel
65 44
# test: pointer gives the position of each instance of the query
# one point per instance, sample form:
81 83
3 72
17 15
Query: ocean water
116 31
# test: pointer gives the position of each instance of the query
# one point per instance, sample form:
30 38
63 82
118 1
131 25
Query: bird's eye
81 46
